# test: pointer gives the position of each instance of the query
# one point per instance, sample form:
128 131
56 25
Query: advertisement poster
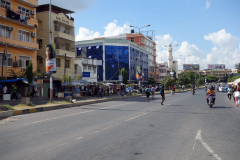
237 66
216 66
190 66
139 73
50 59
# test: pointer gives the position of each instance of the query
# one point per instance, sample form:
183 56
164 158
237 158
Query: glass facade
117 55
138 65
114 56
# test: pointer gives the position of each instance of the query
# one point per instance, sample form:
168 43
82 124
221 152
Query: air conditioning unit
9 28
33 34
15 64
33 12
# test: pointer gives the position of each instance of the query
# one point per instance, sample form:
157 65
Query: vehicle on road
210 100
223 88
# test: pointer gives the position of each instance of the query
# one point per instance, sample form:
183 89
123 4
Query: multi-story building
162 69
145 42
18 28
114 54
62 36
86 67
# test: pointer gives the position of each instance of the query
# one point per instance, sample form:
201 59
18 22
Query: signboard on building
190 66
216 66
237 66
85 74
50 59
120 77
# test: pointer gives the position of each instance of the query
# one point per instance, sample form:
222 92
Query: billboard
50 59
237 66
216 66
190 66
139 73
85 74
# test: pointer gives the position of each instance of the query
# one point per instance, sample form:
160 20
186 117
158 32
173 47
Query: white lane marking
74 114
117 105
62 144
79 137
199 137
59 117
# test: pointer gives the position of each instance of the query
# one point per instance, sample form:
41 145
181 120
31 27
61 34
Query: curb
6 114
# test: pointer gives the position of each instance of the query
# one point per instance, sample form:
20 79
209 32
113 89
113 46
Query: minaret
170 57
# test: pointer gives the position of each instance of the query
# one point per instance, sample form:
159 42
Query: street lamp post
139 44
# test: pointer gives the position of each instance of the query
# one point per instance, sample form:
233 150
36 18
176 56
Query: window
89 68
5 32
67 63
58 62
24 11
8 60
24 61
40 60
56 26
75 68
132 39
39 43
5 4
94 70
24 36
84 68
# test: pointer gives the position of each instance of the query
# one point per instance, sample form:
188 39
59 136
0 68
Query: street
184 128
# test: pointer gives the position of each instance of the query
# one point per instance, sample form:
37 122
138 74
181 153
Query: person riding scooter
211 91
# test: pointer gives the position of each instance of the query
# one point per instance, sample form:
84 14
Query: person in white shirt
5 89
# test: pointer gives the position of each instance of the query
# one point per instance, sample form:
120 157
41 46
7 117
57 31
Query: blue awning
13 80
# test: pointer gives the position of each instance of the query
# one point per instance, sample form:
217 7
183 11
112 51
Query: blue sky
185 21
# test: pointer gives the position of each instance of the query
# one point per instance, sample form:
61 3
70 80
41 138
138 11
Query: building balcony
32 22
87 61
32 3
64 35
19 44
61 52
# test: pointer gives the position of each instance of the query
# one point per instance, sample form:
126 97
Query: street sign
120 78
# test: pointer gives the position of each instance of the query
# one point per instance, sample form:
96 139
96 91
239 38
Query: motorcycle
193 91
210 100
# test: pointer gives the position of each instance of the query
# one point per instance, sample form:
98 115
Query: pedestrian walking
162 94
14 94
148 91
230 92
172 90
122 90
107 91
100 92
153 91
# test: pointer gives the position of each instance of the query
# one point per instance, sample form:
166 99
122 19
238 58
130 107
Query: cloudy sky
207 30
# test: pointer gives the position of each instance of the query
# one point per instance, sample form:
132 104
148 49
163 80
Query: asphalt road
184 128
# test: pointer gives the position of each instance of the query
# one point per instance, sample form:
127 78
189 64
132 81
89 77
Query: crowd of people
234 92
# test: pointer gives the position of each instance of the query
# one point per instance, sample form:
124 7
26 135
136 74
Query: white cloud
112 29
161 41
207 4
74 5
226 50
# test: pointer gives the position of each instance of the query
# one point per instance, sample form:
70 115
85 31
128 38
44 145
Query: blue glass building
112 55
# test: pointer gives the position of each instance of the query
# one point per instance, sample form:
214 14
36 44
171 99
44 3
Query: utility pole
6 63
65 58
3 58
50 22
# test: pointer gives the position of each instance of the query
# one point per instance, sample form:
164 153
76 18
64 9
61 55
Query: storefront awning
12 80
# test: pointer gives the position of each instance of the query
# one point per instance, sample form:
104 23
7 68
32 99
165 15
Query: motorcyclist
211 91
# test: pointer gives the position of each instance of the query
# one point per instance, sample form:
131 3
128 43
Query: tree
123 72
67 78
211 78
168 81
182 79
29 72
200 81
151 80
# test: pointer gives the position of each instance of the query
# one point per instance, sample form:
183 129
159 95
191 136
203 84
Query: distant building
162 69
114 54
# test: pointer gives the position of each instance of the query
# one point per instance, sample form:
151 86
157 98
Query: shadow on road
219 107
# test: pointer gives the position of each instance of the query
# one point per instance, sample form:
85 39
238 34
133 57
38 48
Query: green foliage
29 72
182 79
168 81
200 81
123 72
66 78
151 80
211 78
